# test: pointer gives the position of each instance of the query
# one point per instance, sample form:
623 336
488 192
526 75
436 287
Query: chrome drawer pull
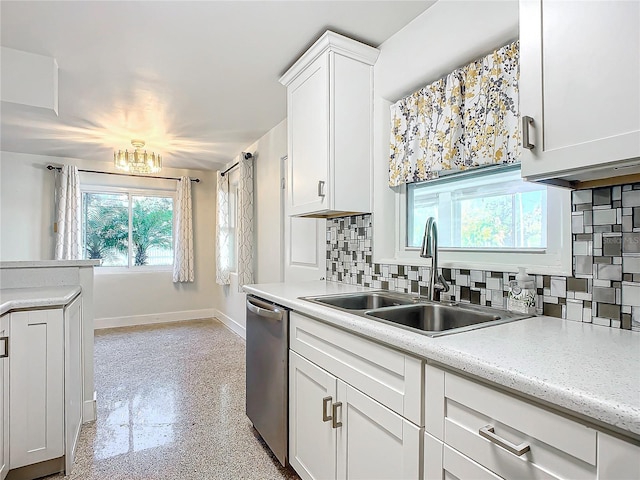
334 408
488 433
325 403
321 188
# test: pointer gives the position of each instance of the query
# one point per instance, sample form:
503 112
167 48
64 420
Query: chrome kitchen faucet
437 283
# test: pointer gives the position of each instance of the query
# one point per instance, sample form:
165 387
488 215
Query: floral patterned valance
465 120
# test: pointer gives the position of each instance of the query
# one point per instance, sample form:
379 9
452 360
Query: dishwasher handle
264 309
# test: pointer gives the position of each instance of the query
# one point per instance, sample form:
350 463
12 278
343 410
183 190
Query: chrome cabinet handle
526 121
488 433
321 188
334 411
325 403
5 349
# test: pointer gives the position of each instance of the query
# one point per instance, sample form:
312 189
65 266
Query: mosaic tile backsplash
604 288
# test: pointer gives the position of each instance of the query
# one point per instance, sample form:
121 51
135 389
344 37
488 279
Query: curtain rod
53 167
246 156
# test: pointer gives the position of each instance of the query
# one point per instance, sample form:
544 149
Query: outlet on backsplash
605 288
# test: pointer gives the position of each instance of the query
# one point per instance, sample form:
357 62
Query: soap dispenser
522 294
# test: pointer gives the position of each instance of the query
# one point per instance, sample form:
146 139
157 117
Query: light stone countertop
586 370
36 297
49 263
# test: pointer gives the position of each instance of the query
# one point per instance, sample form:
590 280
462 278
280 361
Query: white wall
26 233
268 151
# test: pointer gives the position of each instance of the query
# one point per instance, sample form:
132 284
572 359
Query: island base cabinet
4 396
336 431
36 387
72 379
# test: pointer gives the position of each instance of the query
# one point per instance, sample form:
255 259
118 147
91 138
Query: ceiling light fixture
137 161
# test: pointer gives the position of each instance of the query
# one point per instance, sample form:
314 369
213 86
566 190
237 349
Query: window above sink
488 201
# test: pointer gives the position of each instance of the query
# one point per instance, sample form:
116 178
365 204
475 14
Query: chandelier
137 161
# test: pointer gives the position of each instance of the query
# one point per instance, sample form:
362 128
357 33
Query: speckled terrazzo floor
171 403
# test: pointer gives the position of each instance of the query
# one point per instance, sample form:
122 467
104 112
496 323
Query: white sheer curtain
183 234
68 211
223 244
245 221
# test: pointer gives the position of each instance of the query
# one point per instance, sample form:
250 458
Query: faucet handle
442 284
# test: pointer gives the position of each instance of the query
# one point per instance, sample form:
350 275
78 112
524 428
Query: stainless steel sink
363 301
414 313
433 317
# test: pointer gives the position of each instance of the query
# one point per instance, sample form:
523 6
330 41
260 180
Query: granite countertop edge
36 297
49 263
622 416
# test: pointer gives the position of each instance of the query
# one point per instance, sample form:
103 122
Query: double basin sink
417 314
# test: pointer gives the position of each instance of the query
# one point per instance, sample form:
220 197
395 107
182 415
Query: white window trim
147 192
555 260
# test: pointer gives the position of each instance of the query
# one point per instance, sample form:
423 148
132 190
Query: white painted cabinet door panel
304 245
312 438
308 121
617 459
36 396
433 451
374 442
580 71
73 378
4 396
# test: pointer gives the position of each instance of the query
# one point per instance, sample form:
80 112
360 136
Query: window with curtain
127 228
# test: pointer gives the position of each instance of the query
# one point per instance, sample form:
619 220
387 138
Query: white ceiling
198 81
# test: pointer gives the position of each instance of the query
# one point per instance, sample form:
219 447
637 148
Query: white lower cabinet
336 431
617 459
485 433
4 396
36 387
312 438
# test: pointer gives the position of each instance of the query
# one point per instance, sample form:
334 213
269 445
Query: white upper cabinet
580 85
329 118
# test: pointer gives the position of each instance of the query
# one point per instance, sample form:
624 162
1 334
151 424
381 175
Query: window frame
556 259
131 192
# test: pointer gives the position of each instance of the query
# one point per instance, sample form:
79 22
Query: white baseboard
231 324
111 322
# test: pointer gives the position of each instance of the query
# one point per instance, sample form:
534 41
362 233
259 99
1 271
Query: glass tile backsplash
604 288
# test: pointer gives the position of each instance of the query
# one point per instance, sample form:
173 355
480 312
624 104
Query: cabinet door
72 379
579 82
433 452
617 459
4 396
312 438
36 387
374 442
305 244
308 125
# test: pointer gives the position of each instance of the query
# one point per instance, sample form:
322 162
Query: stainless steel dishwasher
268 373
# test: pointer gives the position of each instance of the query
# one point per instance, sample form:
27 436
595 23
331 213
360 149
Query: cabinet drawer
559 447
386 375
456 464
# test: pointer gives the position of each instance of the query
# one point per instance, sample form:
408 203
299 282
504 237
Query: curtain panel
183 264
245 222
68 214
467 119
223 240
